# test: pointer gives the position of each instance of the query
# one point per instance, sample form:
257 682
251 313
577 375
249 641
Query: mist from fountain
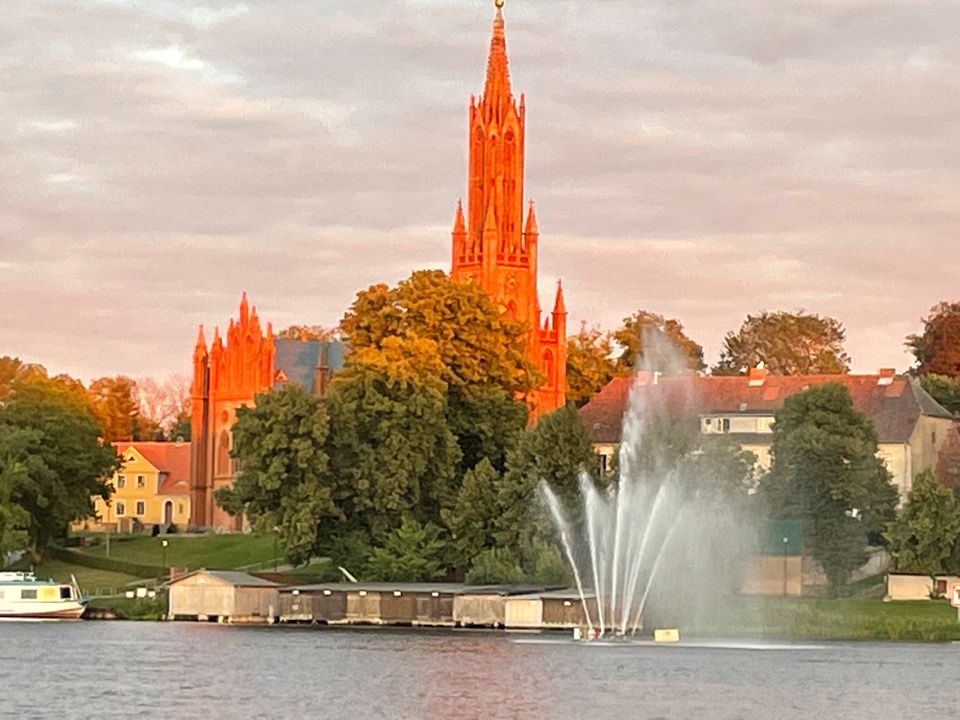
648 534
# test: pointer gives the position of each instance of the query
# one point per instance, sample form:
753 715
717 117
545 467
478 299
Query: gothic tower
492 245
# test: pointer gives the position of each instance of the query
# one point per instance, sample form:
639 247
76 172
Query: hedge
104 563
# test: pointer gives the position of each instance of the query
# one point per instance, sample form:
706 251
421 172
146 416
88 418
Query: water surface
118 669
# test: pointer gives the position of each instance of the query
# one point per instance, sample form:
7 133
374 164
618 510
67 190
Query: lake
120 669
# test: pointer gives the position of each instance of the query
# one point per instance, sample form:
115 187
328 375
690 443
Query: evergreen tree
410 553
472 521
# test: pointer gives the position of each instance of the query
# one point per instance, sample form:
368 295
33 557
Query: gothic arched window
223 454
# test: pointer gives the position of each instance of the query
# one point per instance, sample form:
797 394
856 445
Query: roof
298 360
895 404
381 587
570 594
171 459
233 577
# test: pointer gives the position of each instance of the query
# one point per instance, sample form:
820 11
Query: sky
703 159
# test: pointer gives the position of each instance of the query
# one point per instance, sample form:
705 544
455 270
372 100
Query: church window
223 454
548 368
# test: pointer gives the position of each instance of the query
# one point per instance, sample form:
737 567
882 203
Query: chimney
886 376
757 376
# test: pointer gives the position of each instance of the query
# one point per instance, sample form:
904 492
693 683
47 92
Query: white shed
223 596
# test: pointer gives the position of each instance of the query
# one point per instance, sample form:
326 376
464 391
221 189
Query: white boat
22 595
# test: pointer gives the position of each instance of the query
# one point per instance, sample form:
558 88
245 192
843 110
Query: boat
22 595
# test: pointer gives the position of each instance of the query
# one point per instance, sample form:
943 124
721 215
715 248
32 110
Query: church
493 245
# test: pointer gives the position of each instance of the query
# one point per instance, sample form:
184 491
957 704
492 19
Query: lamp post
163 544
786 542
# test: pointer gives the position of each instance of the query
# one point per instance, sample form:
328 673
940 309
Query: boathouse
425 604
547 610
485 605
222 596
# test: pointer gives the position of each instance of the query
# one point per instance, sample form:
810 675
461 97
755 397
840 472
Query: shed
484 605
427 604
910 586
223 596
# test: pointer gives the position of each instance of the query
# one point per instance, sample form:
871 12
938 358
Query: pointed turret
200 349
498 70
559 305
459 224
244 308
531 227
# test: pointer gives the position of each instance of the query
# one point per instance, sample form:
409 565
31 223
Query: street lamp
163 544
786 542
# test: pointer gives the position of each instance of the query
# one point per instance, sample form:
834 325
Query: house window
141 507
141 481
121 509
602 460
28 594
723 425
121 482
941 587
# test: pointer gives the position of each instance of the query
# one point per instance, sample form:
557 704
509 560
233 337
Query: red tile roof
172 459
894 403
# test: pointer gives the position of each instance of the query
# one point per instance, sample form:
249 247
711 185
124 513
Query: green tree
116 404
14 520
389 443
589 365
472 521
927 528
720 467
937 348
52 458
555 451
283 480
786 343
14 369
494 566
308 332
826 473
655 343
410 553
944 389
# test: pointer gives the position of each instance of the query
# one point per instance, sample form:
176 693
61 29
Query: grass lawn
840 619
89 579
220 552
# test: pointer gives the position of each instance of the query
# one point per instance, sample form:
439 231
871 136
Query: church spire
498 71
459 224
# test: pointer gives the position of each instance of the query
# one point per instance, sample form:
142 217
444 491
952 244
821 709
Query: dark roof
236 578
381 587
893 403
298 360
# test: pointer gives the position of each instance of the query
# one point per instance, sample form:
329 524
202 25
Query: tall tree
652 342
937 349
164 403
826 473
786 343
52 458
589 364
116 404
283 480
923 536
389 441
13 369
410 553
472 520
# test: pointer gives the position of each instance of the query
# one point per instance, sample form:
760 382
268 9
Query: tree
116 404
826 473
472 521
937 349
410 553
165 404
557 450
14 369
589 366
308 332
927 528
787 344
719 467
476 343
52 459
652 342
494 566
390 443
944 389
283 480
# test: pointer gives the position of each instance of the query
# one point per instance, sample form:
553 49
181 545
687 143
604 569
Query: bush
549 567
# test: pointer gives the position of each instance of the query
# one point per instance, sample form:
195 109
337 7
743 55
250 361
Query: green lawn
839 619
90 580
221 552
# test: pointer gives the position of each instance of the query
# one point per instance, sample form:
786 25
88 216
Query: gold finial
499 3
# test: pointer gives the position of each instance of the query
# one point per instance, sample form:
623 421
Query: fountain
652 532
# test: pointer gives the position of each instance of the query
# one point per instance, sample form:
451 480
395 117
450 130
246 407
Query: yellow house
151 488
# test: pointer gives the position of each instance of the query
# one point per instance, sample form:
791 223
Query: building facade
228 375
913 430
150 488
493 245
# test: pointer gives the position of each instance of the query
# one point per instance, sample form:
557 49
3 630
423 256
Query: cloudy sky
703 159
